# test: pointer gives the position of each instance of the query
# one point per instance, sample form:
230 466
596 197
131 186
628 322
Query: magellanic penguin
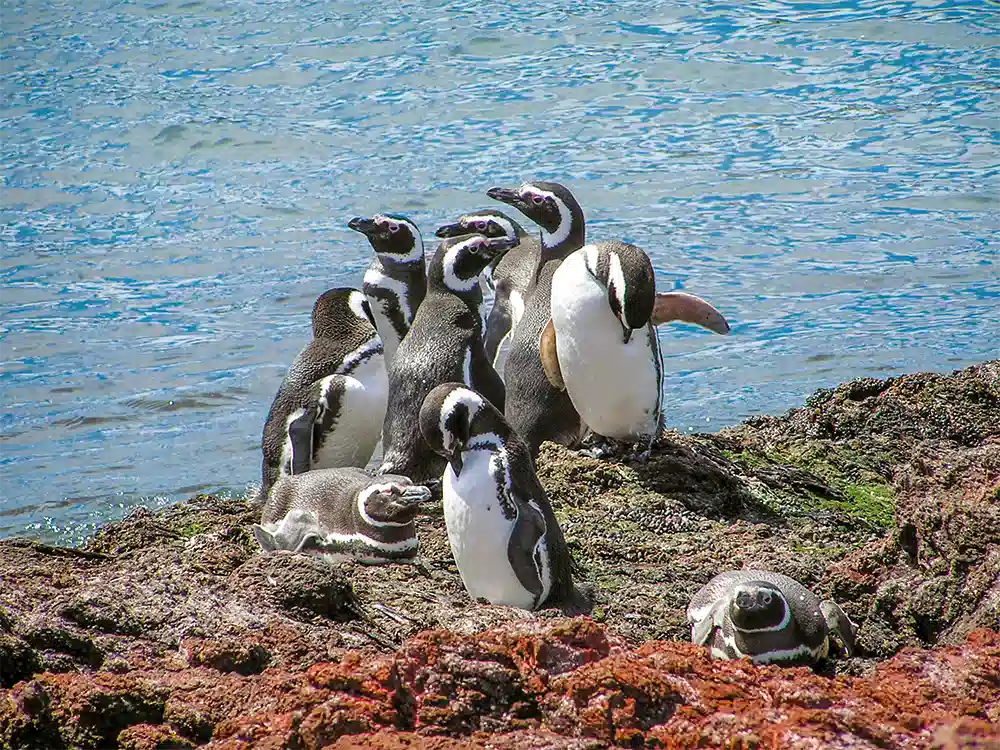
507 543
767 616
536 409
513 275
601 344
330 407
396 281
445 344
343 512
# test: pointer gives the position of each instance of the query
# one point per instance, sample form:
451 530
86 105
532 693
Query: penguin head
627 274
446 418
338 309
391 500
459 262
488 222
758 605
548 204
394 238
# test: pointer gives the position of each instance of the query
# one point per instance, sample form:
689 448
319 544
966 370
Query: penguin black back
444 344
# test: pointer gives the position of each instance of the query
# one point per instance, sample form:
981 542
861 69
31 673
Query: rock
170 629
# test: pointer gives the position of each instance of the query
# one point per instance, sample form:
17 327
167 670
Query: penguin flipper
703 630
497 327
839 625
300 436
264 538
687 308
550 358
528 530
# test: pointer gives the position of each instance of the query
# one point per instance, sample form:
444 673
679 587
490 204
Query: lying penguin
507 543
601 345
767 616
343 512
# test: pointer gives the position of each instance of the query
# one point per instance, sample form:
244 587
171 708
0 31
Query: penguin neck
570 235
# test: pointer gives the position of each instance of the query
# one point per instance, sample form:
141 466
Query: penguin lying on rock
601 343
330 406
767 616
343 513
507 543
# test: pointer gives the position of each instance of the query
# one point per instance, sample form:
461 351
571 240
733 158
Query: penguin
535 408
767 616
329 409
512 276
342 512
396 280
445 344
601 343
507 543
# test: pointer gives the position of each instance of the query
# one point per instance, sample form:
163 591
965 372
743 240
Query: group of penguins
462 398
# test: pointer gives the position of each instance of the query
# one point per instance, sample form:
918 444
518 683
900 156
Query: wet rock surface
170 629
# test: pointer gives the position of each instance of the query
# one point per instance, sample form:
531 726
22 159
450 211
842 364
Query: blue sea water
177 178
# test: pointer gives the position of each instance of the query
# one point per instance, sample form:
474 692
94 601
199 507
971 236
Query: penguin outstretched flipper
687 308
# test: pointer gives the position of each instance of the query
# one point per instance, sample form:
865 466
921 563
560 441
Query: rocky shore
171 630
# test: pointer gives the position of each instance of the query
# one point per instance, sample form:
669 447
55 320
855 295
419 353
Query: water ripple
177 177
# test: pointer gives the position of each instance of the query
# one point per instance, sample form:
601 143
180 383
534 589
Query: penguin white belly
614 386
479 533
359 426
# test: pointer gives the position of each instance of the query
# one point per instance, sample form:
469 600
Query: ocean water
177 178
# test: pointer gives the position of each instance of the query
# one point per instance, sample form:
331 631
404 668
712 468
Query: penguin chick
767 616
330 406
445 344
601 343
513 275
343 512
507 543
396 280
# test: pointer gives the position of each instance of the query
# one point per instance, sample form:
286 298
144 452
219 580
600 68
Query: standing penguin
536 409
396 281
507 543
329 408
445 343
513 275
343 512
602 294
767 616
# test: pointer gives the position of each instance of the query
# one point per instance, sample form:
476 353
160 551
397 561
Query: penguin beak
365 226
451 230
497 246
456 462
504 195
415 494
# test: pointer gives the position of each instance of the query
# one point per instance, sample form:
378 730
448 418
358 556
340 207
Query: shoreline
167 629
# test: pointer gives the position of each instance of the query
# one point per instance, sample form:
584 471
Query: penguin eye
537 199
765 597
481 226
393 227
